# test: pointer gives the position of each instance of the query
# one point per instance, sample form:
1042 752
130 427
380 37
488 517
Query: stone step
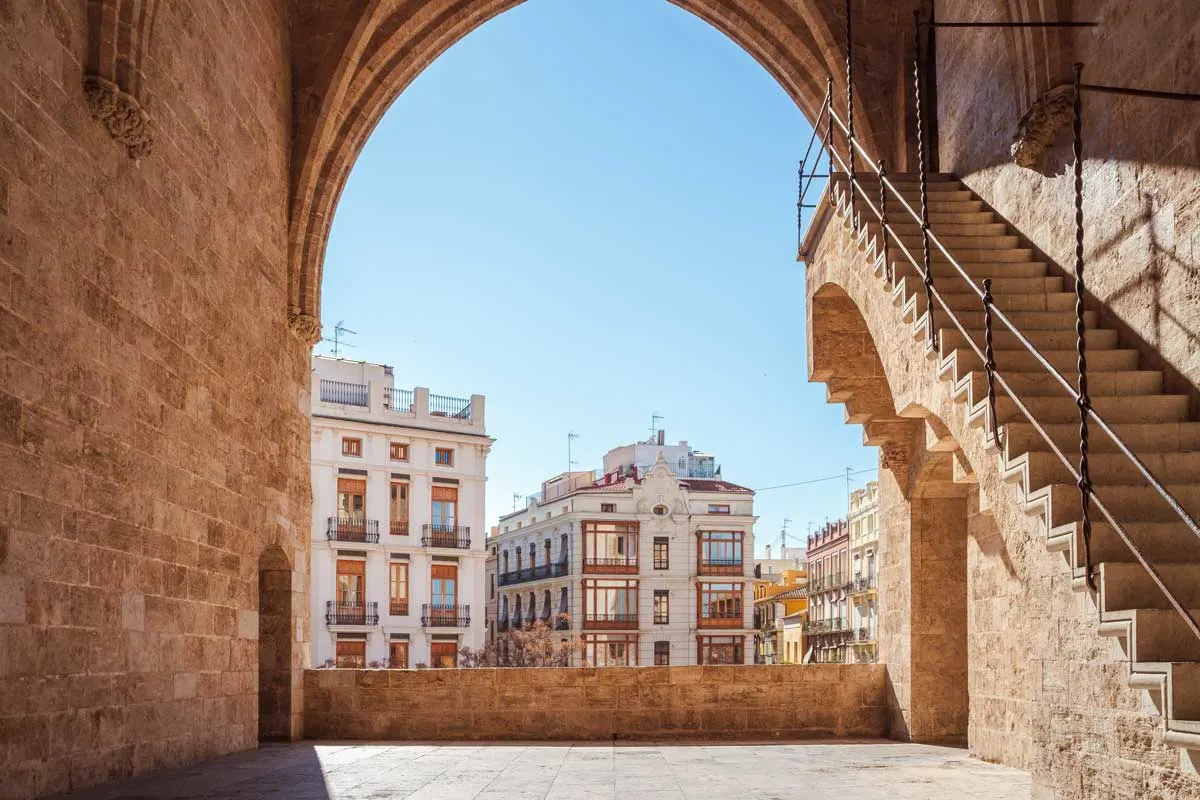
1024 321
1153 635
1159 542
1127 503
965 255
1141 408
1097 339
1065 361
1113 469
1142 438
944 229
1127 585
956 242
1061 302
1042 384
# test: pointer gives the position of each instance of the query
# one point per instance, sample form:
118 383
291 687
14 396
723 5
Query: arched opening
277 719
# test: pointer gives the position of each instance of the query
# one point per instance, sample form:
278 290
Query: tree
534 646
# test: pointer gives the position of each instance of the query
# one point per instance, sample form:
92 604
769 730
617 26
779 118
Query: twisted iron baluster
931 332
883 223
989 355
850 113
829 123
1084 400
800 206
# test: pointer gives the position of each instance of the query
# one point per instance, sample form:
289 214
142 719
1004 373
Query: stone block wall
730 702
153 435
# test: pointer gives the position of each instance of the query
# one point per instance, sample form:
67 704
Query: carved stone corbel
119 32
1037 130
304 327
894 456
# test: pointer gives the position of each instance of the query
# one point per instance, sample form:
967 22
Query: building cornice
380 424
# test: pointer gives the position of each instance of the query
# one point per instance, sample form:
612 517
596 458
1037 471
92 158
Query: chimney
662 438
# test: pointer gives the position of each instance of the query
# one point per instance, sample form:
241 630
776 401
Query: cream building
398 479
648 563
864 572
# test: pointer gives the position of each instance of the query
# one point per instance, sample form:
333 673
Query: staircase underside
1164 655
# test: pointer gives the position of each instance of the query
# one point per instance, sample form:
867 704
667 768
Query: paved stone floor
769 771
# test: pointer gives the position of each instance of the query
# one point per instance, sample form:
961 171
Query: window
718 508
548 558
351 582
491 586
662 552
399 451
608 508
398 592
662 654
398 655
719 649
444 578
720 605
443 456
443 655
721 552
399 508
660 510
610 547
562 549
444 516
351 447
351 654
610 649
351 500
662 607
610 603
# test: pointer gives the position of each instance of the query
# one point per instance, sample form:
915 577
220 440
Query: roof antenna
339 332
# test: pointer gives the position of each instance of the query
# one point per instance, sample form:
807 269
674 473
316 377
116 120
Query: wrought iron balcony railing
398 527
352 613
352 529
454 407
538 573
864 583
434 615
401 401
343 393
398 608
502 625
611 566
456 536
610 621
721 566
562 622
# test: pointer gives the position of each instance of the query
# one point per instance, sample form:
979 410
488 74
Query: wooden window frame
663 618
709 541
662 552
592 642
352 446
437 456
608 508
705 645
398 524
433 657
662 654
719 508
398 451
708 597
593 530
349 660
399 606
398 663
590 588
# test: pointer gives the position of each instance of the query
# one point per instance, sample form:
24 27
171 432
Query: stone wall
1141 156
153 436
749 702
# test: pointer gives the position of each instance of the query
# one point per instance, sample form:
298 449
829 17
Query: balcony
400 401
440 616
455 536
352 529
398 527
595 622
454 407
562 622
351 613
864 635
732 621
720 566
346 394
398 608
538 573
863 583
502 625
610 566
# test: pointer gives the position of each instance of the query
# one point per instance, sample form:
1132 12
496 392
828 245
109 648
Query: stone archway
350 65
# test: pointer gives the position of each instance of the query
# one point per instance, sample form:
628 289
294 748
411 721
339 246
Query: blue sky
585 210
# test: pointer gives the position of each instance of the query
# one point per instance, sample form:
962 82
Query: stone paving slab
513 771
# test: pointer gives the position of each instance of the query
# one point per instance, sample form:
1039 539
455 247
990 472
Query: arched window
546 606
517 612
562 549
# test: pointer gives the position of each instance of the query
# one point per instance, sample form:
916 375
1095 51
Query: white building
398 530
864 571
649 563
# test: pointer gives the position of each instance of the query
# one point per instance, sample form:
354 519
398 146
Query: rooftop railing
343 393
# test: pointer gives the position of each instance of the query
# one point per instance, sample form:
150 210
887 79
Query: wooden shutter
352 486
445 493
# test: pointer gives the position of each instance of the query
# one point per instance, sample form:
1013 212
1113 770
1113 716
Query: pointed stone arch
279 664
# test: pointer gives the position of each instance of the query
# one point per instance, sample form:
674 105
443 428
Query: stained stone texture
735 702
864 770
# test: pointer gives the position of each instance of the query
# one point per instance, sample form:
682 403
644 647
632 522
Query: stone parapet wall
751 702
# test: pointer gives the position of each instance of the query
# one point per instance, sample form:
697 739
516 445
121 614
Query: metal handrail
1089 413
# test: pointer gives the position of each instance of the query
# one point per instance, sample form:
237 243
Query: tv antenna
339 333
571 436
516 499
783 536
655 418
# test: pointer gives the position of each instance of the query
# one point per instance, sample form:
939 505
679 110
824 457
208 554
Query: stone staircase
1164 655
